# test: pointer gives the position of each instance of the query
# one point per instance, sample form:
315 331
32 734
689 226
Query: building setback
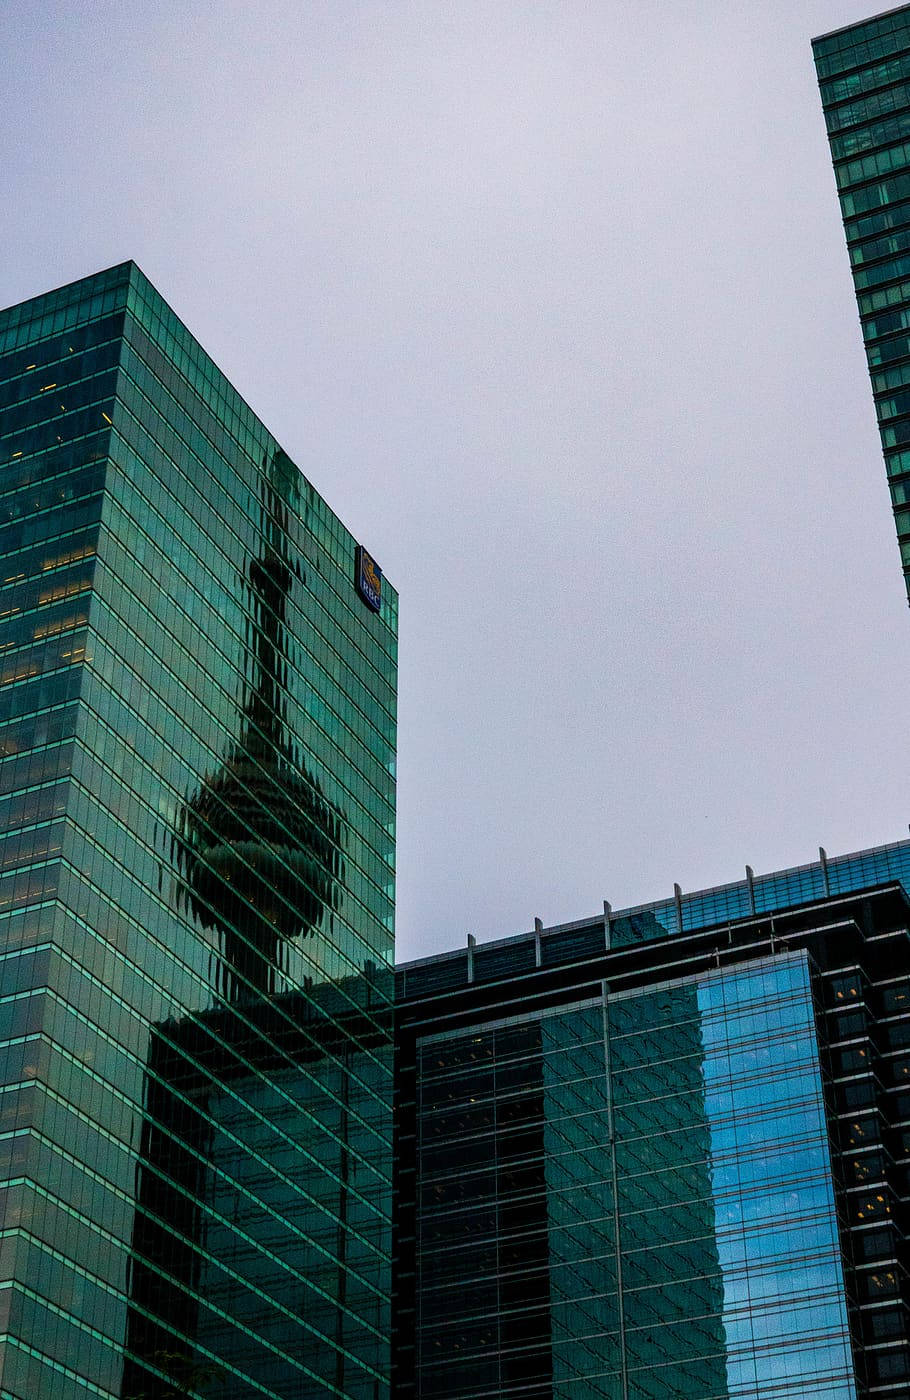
663 1153
197 720
864 77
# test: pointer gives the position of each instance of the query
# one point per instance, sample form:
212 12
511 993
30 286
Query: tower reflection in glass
258 852
197 805
259 846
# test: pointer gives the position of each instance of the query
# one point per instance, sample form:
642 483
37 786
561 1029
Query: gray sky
550 300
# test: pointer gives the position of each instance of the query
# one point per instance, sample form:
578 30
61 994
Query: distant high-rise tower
197 733
864 75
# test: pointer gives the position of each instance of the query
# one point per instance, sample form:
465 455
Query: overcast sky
550 300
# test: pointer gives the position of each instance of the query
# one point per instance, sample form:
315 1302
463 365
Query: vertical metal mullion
496 1216
604 997
418 1219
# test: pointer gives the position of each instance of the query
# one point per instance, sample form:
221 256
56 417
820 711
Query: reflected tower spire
259 845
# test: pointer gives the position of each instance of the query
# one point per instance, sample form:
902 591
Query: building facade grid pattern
196 881
633 1198
864 76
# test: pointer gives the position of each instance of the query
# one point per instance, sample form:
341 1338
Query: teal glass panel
733 1283
633 1198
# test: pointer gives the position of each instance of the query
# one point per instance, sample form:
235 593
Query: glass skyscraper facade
665 1153
864 76
197 720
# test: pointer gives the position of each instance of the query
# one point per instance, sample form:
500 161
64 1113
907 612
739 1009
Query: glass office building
664 1153
197 719
864 76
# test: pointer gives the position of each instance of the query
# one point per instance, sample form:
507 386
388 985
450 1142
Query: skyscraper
664 1153
864 76
197 718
